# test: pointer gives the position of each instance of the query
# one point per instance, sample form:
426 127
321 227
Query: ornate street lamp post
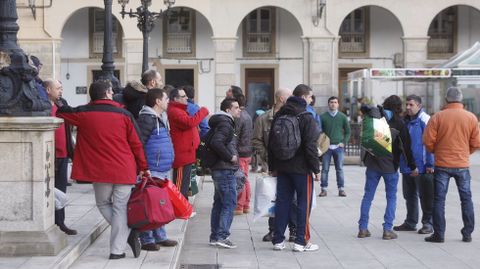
18 95
107 60
146 22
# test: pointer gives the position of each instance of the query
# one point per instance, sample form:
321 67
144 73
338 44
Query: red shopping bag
149 206
182 208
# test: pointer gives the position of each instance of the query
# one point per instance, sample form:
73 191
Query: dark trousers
292 222
61 165
462 179
181 178
414 188
287 185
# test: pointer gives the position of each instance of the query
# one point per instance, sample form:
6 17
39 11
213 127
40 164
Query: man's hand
234 159
430 170
317 177
145 173
414 173
341 145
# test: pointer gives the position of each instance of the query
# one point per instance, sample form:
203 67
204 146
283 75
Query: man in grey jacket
223 147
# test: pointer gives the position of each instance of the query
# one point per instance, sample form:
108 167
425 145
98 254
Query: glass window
353 32
259 31
442 34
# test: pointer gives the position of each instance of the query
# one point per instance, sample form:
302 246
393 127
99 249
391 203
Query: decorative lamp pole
107 60
18 95
146 22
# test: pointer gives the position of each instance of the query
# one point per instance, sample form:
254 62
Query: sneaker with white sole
212 242
308 247
279 246
226 243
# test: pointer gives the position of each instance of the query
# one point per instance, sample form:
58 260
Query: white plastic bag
265 194
60 199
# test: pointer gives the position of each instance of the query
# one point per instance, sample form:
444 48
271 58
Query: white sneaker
194 213
279 246
308 247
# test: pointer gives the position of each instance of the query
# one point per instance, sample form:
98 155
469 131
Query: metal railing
97 43
259 42
353 147
440 44
352 43
179 43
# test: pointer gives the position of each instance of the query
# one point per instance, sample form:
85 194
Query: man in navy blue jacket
420 186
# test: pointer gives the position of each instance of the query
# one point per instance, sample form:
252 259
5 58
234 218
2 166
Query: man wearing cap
452 135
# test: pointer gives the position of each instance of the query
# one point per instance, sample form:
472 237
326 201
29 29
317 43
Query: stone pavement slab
334 228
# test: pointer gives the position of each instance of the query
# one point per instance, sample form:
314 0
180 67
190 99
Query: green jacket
336 128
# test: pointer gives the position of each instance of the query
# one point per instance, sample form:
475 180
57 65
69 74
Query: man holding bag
158 147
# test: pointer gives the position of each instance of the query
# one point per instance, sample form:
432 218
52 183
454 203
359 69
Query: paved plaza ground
334 228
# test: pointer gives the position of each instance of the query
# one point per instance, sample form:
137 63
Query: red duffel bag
182 208
149 206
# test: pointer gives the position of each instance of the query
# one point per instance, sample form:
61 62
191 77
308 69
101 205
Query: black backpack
206 157
285 137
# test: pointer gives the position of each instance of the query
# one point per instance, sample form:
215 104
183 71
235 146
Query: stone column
224 66
133 59
322 68
27 187
48 51
415 55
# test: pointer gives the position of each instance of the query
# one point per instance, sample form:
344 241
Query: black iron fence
353 147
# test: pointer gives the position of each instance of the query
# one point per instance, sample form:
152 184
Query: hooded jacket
401 145
223 141
134 97
423 159
108 148
306 158
156 140
184 132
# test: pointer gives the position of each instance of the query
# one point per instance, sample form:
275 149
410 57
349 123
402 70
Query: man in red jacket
109 154
185 137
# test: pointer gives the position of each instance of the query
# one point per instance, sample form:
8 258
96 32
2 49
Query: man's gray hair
454 95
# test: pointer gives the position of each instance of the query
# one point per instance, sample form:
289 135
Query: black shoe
168 243
69 184
268 237
151 247
467 238
389 235
67 230
434 239
116 256
425 230
134 242
404 228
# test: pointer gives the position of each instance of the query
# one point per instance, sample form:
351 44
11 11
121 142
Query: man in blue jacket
421 186
158 148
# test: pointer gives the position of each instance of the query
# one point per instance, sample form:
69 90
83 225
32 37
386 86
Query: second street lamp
146 22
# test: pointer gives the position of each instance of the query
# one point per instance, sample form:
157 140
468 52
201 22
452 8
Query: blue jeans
462 179
338 156
287 185
158 235
371 183
224 203
415 188
154 236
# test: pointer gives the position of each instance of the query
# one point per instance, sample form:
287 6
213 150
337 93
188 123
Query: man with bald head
63 136
260 143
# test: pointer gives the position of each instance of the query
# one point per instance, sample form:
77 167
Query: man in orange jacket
452 135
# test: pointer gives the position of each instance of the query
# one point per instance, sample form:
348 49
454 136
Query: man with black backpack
293 157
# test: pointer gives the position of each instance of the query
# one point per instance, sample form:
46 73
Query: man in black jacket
134 93
295 175
223 146
386 167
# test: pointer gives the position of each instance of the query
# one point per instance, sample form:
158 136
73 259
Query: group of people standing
155 129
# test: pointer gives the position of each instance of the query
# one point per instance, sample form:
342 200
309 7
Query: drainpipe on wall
306 60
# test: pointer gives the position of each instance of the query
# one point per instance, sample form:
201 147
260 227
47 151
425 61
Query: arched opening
454 29
82 51
370 36
270 54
